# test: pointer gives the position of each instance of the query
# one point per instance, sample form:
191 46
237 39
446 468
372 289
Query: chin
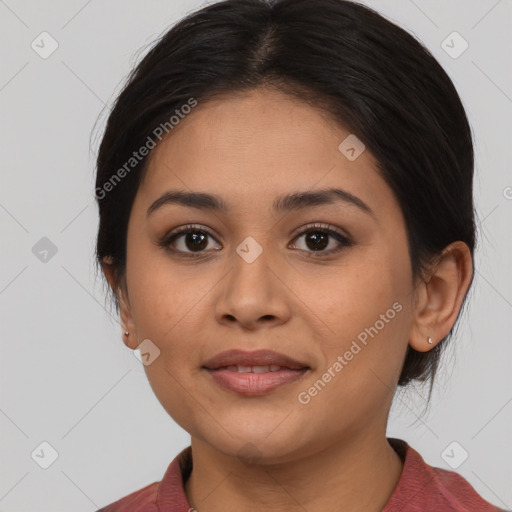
262 444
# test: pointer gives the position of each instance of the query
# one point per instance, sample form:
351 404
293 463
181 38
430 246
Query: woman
287 227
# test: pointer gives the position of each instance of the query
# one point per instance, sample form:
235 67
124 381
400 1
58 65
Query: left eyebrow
285 203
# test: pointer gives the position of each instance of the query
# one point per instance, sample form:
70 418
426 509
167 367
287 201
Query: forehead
256 145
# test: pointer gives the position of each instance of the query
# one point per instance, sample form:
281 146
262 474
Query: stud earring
430 341
126 333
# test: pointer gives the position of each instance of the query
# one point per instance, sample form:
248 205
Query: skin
250 148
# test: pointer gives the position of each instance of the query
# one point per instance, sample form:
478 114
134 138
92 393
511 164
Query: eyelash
343 240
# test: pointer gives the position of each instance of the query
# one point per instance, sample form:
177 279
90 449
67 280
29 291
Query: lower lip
253 384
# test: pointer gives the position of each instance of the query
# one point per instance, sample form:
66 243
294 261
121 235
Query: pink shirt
421 488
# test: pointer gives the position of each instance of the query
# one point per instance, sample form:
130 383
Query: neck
361 474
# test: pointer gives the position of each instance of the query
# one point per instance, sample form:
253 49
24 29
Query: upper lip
253 358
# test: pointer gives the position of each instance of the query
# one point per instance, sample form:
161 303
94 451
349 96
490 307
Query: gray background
67 378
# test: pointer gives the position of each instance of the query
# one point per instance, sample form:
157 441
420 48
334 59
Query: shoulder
143 500
455 493
424 487
168 494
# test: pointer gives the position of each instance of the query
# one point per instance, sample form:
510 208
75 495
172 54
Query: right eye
188 241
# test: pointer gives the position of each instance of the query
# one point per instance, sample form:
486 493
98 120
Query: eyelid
328 228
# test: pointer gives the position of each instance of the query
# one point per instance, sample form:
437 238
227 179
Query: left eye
317 240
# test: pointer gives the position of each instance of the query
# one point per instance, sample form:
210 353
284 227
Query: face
252 276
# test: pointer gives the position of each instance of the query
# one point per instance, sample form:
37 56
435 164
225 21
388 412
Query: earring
126 333
430 341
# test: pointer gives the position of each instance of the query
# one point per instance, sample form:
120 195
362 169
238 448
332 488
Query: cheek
165 308
362 367
369 319
354 298
163 294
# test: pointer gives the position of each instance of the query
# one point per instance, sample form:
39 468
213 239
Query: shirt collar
407 495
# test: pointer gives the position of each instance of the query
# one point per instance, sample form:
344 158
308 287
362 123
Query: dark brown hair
344 58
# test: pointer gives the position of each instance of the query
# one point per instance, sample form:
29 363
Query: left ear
440 298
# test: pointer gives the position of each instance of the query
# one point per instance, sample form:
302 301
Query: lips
255 369
258 358
253 373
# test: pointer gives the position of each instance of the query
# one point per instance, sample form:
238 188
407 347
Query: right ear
127 323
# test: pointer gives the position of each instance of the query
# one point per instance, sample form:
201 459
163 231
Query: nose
253 295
